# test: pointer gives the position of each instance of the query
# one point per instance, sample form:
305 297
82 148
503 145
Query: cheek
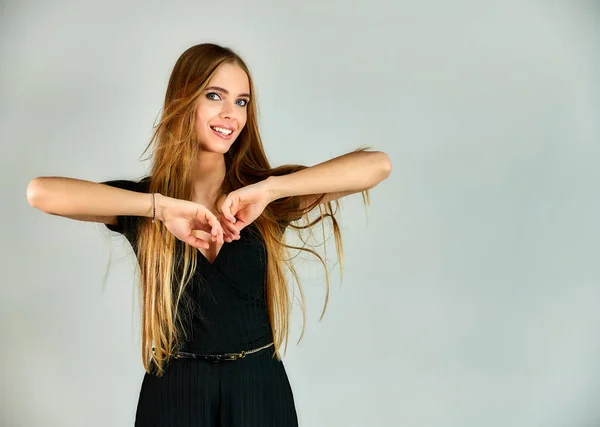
200 115
203 117
200 123
206 112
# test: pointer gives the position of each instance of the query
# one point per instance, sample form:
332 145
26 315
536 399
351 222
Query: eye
245 101
211 93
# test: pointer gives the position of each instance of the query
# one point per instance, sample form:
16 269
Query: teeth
221 130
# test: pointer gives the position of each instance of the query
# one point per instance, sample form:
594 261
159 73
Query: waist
217 357
216 341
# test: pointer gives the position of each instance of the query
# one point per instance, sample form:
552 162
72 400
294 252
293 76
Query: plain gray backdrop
471 293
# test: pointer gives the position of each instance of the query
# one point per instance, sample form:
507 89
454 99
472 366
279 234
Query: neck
210 173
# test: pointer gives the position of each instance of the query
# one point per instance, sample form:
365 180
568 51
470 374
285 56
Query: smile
222 132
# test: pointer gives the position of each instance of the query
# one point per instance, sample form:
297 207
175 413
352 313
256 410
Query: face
221 110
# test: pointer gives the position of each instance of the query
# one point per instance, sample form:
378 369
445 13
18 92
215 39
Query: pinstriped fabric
251 392
230 315
256 393
183 397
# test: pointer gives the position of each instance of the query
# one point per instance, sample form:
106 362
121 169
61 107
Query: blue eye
208 95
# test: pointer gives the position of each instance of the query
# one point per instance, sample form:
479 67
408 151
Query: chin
220 147
219 150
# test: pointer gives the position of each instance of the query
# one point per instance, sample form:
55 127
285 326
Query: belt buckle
233 356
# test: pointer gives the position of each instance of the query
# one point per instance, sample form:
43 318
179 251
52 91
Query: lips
222 135
228 127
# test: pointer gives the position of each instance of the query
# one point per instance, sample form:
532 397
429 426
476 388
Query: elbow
382 167
34 191
385 165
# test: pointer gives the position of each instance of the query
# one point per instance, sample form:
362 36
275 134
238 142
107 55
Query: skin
217 107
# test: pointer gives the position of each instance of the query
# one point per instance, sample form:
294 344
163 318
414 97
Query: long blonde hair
176 148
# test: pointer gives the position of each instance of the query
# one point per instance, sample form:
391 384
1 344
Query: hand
181 217
243 206
229 234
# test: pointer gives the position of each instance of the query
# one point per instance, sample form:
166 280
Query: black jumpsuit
231 316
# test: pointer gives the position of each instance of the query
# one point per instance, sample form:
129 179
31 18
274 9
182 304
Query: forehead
231 77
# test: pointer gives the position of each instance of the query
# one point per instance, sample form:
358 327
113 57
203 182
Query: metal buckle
233 356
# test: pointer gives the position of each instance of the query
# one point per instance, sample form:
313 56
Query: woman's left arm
338 177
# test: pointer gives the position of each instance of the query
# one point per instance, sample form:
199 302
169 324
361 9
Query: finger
231 229
197 242
217 230
238 226
234 231
227 236
226 208
215 226
216 234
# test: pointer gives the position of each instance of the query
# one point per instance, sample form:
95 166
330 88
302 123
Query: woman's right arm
89 201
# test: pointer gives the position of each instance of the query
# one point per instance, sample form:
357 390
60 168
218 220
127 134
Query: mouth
224 132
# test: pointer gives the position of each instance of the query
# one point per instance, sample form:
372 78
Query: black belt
217 357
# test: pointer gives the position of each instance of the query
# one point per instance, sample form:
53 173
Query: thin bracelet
153 208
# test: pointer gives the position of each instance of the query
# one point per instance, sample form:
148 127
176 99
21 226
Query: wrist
160 204
272 189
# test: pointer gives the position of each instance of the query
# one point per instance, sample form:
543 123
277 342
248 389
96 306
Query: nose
226 111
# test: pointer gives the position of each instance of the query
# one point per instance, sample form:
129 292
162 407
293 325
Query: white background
472 296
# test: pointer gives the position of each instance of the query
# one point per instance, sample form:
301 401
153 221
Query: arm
122 207
88 201
338 177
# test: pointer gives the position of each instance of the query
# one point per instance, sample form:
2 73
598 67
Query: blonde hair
165 306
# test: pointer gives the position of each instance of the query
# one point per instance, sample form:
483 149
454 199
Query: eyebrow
225 91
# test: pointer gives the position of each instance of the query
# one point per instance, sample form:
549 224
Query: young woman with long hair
207 225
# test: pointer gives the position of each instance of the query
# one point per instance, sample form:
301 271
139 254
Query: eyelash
215 93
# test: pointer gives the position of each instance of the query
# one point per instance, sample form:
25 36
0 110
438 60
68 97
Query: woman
207 226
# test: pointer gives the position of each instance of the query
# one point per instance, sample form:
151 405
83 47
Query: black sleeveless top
230 311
